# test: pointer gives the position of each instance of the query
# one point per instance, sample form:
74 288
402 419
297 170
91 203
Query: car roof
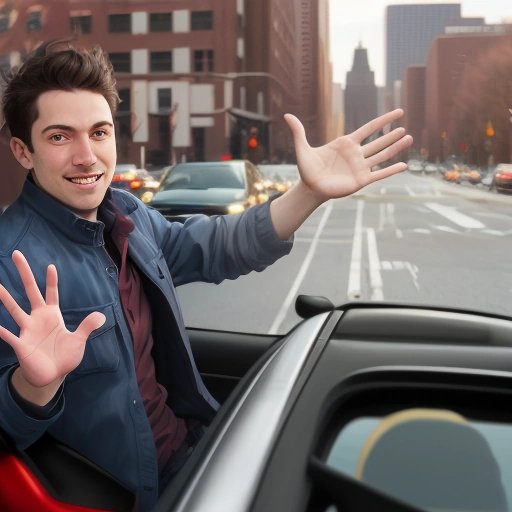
210 164
125 167
269 432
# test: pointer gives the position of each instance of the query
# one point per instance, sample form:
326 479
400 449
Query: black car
210 188
362 407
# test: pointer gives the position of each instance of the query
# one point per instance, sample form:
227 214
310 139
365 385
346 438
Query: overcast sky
354 21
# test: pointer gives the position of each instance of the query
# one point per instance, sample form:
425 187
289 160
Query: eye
99 134
57 137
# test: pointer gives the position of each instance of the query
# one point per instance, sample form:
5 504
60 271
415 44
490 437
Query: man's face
74 149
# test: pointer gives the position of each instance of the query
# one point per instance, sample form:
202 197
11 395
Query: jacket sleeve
22 427
212 249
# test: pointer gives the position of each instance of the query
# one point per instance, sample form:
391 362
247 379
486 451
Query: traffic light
253 141
489 130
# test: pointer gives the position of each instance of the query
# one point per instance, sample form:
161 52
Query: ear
21 153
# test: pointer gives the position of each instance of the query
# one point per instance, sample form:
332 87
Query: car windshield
209 83
204 177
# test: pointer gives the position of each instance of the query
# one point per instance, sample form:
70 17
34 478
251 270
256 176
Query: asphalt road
413 239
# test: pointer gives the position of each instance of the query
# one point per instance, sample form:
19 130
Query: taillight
136 184
128 176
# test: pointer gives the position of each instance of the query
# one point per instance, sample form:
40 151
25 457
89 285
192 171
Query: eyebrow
72 129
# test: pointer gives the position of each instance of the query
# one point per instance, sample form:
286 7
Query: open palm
345 164
47 351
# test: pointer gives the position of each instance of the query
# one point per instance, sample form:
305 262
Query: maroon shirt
169 431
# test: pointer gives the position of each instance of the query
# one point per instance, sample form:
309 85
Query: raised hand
47 351
344 165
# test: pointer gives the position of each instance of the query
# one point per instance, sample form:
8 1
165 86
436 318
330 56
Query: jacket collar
73 227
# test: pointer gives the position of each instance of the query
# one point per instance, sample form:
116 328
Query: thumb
90 323
298 132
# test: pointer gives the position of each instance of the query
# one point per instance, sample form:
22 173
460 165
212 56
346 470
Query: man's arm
338 169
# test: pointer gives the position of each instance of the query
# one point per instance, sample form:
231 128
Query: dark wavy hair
54 65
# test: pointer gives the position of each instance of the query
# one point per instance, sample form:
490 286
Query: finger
18 315
375 125
27 277
387 171
90 323
382 142
52 289
390 151
298 133
9 337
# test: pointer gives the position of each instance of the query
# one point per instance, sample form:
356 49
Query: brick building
449 67
413 103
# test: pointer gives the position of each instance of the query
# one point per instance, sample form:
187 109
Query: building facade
194 76
463 96
410 31
456 106
413 102
360 92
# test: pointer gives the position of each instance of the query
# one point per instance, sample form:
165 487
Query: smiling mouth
86 180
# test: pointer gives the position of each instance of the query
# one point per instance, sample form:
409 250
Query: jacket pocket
102 348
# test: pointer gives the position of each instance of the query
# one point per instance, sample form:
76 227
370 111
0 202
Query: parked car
432 168
471 175
135 180
503 178
452 174
210 188
362 407
415 166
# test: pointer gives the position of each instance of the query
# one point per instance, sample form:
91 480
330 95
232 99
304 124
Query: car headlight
147 196
235 208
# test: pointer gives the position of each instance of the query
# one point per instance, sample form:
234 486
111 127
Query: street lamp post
489 134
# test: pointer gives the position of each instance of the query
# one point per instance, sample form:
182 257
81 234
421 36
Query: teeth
85 181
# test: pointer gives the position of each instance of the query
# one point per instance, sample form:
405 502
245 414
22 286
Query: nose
83 152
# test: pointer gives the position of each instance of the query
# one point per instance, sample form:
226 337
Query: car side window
435 459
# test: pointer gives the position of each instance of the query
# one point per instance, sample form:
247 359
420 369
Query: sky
355 21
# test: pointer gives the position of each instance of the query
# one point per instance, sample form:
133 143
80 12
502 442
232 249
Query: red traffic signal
252 142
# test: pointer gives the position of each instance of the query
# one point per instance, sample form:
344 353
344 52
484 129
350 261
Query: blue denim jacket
100 412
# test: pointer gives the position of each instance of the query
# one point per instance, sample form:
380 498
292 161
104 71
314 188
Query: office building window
121 61
160 61
119 23
164 99
201 20
203 60
160 22
4 23
81 24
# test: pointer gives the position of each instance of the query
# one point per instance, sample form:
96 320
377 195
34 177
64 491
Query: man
102 361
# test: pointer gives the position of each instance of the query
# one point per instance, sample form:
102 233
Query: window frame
157 62
117 21
201 20
164 24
